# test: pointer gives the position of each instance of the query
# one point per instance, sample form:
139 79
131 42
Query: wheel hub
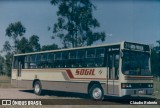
37 88
97 93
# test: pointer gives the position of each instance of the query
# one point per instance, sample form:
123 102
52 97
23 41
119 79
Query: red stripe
92 78
69 73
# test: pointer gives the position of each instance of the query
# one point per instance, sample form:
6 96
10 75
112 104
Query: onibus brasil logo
21 102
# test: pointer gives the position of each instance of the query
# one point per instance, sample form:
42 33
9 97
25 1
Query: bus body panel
77 77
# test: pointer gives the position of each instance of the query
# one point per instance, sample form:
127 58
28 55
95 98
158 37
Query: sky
121 20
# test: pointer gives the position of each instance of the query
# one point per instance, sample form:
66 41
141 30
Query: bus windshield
135 63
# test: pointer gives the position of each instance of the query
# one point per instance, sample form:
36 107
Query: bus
117 69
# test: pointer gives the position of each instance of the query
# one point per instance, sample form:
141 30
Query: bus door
19 68
112 72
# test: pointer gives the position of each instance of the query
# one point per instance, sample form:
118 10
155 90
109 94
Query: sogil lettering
85 72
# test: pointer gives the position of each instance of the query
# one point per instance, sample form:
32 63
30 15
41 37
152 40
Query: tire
96 92
37 88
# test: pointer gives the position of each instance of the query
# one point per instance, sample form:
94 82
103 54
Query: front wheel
96 92
37 88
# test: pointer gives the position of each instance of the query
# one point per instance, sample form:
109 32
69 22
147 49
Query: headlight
150 85
126 85
130 86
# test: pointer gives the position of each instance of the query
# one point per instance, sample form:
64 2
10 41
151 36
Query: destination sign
134 46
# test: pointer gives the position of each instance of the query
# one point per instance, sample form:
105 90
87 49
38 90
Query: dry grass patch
5 82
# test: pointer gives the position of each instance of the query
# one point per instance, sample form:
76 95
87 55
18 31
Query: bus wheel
96 92
37 88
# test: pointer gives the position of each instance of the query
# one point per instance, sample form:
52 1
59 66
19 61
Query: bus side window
44 62
50 60
99 57
38 61
33 61
90 59
64 60
72 59
58 59
15 66
27 62
80 58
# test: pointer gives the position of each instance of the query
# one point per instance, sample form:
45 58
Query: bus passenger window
50 60
80 58
33 61
27 62
100 52
72 59
38 61
58 58
15 66
99 57
90 53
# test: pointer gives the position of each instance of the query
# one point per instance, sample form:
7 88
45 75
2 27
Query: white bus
117 69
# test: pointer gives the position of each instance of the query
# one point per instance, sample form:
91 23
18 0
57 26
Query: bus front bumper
138 92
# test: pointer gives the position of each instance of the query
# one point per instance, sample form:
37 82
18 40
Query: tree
8 63
76 23
155 58
7 47
23 46
1 65
15 31
154 63
158 42
34 43
49 47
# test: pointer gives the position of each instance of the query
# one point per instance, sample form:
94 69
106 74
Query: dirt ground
9 92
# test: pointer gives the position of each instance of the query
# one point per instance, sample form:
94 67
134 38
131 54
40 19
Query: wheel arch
92 83
35 80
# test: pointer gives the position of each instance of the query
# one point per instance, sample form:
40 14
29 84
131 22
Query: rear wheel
37 88
96 92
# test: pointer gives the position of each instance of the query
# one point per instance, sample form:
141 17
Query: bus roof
94 46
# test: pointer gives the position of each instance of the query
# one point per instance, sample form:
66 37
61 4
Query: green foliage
155 59
34 43
49 47
15 31
23 46
1 65
7 47
154 63
8 63
158 43
76 23
31 45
